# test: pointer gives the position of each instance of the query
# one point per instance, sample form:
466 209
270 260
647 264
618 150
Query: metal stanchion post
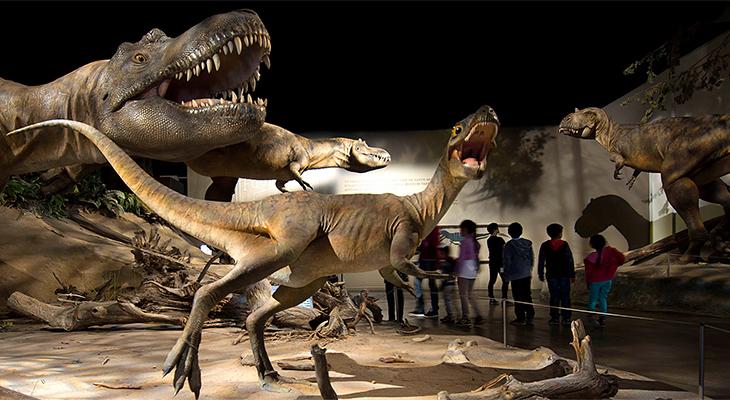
701 393
504 322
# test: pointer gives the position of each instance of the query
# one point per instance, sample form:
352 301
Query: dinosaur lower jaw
584 132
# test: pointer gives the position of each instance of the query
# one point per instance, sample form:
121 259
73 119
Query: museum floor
661 351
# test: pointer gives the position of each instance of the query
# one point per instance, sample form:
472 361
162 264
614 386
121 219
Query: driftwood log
7 394
678 240
584 383
322 372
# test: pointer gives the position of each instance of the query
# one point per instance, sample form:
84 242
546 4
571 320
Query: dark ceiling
386 66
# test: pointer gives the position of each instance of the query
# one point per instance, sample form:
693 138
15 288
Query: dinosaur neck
67 97
631 225
432 203
608 133
326 153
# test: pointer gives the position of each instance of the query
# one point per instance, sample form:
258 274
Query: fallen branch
295 367
112 386
322 373
584 383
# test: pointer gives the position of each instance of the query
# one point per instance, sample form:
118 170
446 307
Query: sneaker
417 314
447 320
463 322
566 322
493 302
554 321
519 322
601 322
431 315
478 320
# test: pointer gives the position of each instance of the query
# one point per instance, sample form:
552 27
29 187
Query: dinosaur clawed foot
184 359
273 382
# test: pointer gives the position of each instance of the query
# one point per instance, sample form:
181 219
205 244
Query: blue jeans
598 293
559 297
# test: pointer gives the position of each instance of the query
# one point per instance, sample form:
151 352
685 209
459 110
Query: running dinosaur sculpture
170 99
297 239
282 155
690 153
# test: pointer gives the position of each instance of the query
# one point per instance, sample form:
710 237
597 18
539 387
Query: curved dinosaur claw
184 359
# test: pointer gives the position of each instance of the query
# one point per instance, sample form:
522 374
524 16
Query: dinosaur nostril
105 96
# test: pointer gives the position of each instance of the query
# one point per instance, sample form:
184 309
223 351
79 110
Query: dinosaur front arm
401 249
388 273
618 161
631 181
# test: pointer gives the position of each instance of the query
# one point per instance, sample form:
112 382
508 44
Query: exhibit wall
664 220
534 176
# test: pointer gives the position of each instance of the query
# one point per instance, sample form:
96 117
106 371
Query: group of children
513 261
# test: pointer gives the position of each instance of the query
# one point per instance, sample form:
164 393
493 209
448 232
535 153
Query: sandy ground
61 365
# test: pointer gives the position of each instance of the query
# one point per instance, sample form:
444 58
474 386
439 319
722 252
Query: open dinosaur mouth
476 146
223 76
575 132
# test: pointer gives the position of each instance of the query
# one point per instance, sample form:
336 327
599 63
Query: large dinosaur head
585 124
176 98
363 158
471 141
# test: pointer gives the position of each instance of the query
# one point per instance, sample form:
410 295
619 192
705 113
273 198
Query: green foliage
25 193
709 73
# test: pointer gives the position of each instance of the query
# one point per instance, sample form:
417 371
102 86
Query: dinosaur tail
201 219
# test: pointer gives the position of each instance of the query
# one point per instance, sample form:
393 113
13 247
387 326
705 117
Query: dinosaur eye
140 58
456 131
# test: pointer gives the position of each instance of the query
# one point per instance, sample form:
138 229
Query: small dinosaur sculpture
298 239
279 154
690 153
170 99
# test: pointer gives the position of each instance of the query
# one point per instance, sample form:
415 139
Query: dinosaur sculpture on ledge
690 153
170 99
298 239
279 154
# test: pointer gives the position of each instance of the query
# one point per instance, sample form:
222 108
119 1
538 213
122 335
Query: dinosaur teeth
244 87
246 40
266 102
189 74
252 82
249 99
234 97
196 71
194 103
217 62
267 61
225 49
239 45
230 47
209 65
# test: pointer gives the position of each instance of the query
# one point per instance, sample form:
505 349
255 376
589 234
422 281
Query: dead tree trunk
85 314
584 383
322 372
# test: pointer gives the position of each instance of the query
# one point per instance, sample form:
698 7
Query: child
518 258
601 266
467 269
555 260
495 244
427 261
447 265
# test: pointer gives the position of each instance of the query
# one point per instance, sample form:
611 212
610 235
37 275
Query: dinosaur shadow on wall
604 211
515 167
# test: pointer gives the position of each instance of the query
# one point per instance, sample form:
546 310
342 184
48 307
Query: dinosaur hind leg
717 192
260 258
684 195
283 298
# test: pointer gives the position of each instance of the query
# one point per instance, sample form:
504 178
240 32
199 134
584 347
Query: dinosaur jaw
220 80
365 158
472 152
585 132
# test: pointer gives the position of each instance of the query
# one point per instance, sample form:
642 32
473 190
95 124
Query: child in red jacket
601 266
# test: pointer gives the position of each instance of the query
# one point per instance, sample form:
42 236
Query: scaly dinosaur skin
146 98
279 154
298 239
690 153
